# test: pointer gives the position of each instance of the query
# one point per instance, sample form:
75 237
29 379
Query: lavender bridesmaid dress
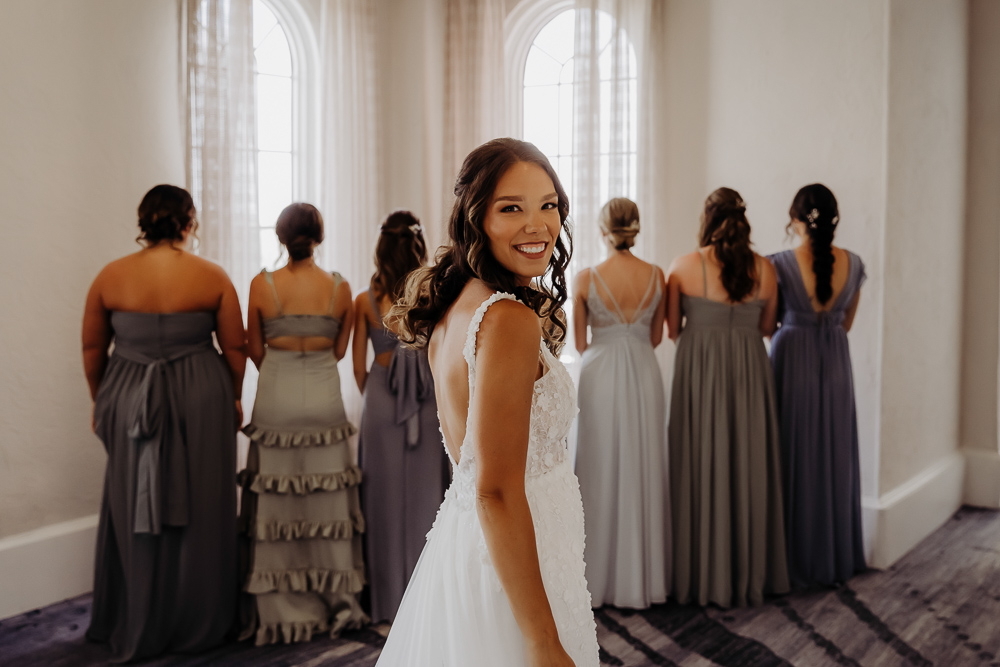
819 429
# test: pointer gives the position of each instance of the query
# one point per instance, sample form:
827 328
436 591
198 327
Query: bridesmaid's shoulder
684 262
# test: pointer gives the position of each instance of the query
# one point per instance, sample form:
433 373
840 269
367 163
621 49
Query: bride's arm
506 367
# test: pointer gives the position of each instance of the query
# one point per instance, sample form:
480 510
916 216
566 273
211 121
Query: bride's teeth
532 249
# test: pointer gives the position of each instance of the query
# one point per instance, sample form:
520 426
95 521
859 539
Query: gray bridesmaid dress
819 429
621 460
301 510
406 468
725 458
166 567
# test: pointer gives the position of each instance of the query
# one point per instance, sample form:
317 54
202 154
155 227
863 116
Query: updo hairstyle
724 227
399 250
620 221
816 206
430 291
165 213
300 228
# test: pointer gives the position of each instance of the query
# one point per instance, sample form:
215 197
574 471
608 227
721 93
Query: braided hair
816 206
724 227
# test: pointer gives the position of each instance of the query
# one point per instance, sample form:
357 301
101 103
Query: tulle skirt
455 612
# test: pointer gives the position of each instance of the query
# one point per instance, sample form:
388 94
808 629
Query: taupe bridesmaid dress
300 507
725 459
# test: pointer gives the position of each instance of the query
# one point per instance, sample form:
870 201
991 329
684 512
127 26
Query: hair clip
415 228
812 216
835 220
632 225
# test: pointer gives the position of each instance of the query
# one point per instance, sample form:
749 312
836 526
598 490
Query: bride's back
451 372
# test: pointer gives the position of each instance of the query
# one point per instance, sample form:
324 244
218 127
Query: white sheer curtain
613 118
222 133
474 89
350 198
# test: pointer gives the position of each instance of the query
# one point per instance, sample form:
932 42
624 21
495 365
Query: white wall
981 318
89 120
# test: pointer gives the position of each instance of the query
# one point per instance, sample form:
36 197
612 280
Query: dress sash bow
410 380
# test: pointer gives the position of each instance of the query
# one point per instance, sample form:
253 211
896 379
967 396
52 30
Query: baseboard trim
982 478
43 566
900 519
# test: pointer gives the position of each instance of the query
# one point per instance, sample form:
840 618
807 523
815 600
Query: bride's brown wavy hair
430 291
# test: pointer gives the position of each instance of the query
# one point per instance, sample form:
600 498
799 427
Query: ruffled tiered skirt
300 510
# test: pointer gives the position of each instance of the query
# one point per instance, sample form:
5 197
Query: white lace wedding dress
454 612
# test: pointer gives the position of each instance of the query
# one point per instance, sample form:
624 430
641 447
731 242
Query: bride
500 581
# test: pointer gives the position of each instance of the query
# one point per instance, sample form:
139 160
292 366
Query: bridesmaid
620 458
725 466
400 447
820 285
166 407
300 503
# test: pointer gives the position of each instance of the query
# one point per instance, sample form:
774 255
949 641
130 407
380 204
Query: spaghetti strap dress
819 429
725 458
621 457
301 512
166 568
406 470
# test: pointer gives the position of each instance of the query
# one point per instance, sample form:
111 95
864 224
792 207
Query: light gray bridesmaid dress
406 469
166 568
301 510
620 457
725 458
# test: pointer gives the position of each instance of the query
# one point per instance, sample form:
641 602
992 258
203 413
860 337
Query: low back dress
819 429
621 456
725 458
301 510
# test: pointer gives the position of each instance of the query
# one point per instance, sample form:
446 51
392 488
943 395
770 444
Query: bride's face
522 221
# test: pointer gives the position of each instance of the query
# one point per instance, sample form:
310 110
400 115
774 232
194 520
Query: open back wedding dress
455 612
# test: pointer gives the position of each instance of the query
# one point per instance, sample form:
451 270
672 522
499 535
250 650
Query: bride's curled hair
430 291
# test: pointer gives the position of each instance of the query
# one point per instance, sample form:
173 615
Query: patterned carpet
938 606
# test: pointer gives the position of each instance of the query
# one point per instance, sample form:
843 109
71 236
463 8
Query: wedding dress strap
470 336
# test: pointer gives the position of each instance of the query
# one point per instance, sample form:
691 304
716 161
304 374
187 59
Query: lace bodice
553 408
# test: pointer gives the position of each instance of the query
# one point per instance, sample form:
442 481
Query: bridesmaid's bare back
162 279
841 272
628 279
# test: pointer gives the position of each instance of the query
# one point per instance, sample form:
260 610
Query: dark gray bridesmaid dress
405 466
725 458
166 568
819 429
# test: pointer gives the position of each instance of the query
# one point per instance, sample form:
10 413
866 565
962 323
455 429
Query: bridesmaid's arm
96 336
359 346
232 336
769 293
499 416
673 297
255 327
852 310
580 284
660 314
345 307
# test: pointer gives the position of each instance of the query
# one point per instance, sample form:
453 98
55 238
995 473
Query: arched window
275 81
549 106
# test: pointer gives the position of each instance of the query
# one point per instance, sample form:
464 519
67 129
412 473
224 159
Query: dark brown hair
431 291
816 206
299 228
620 219
400 249
165 213
724 227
